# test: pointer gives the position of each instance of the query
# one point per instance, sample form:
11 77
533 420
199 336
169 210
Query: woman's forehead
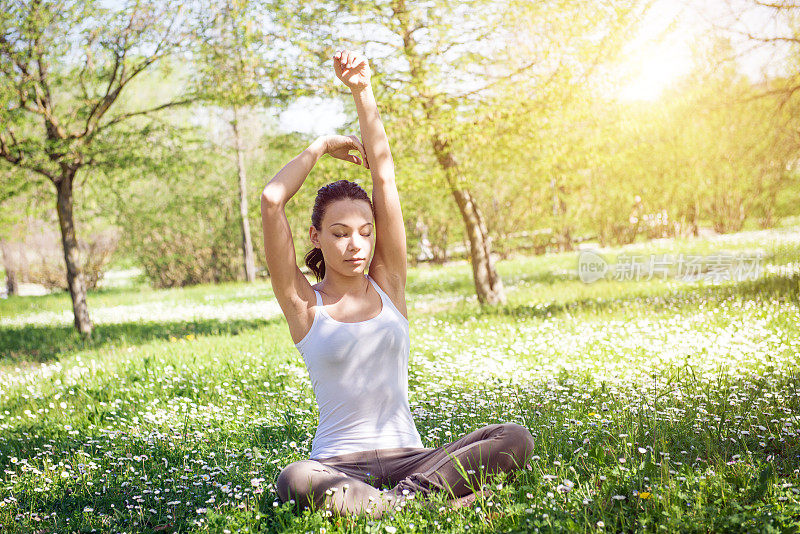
348 211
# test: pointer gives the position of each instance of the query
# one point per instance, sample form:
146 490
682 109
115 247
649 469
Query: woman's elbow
271 198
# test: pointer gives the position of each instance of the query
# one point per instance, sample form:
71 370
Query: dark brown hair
341 189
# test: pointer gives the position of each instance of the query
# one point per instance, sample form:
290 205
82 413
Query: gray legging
349 483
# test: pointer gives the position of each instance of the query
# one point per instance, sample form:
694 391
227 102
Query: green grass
667 405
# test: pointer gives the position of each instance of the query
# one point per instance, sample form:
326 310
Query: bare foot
461 502
467 500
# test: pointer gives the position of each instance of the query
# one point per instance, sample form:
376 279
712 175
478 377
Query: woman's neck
337 285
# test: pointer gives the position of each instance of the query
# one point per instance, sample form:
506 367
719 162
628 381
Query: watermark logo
713 268
591 266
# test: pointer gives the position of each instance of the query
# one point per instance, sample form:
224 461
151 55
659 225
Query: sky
662 52
658 55
313 116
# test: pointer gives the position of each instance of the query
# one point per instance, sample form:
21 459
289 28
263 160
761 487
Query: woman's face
347 233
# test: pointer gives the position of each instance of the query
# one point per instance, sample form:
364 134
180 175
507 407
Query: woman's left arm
390 245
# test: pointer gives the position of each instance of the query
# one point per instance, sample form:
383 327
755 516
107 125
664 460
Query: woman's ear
312 234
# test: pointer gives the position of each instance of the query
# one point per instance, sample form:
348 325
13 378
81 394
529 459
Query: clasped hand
340 146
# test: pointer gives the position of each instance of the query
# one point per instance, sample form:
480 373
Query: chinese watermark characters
713 268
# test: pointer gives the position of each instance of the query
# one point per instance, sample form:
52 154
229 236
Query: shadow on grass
464 284
42 343
773 288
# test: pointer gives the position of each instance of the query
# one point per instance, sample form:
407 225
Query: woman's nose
357 242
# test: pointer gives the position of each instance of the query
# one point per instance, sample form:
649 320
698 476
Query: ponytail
316 262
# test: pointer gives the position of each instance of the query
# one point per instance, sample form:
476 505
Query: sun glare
651 68
658 54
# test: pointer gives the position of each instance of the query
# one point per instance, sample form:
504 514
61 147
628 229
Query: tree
771 27
722 147
230 74
245 63
65 68
440 64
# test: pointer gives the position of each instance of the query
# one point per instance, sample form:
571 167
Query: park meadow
598 203
660 405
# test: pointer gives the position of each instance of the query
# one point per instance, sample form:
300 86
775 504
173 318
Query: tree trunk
488 284
561 230
247 243
12 286
10 267
77 286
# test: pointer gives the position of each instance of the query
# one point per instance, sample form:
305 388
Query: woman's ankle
467 500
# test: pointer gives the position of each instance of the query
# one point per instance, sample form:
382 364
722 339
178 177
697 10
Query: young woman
353 333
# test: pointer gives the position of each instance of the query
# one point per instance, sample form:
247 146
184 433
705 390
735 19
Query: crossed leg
319 486
459 468
462 466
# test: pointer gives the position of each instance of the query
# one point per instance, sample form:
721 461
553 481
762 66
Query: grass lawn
657 405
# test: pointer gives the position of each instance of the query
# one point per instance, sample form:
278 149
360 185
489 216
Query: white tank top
359 372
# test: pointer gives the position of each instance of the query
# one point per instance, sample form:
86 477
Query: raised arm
292 290
389 260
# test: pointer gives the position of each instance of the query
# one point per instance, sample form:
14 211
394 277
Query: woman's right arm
292 290
289 179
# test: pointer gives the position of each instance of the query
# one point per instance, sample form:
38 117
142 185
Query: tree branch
19 161
119 77
498 80
102 105
778 6
777 39
126 116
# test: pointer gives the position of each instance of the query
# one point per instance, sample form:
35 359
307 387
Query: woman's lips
355 260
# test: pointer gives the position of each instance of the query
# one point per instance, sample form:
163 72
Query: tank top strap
319 298
380 291
386 300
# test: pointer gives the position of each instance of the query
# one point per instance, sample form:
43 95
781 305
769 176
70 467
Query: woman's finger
338 63
358 145
352 158
363 151
359 61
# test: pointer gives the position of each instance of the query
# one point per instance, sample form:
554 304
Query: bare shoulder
297 301
393 286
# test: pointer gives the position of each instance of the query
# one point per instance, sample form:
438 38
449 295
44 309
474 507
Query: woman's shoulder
393 288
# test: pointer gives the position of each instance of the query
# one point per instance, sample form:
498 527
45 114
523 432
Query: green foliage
512 91
655 406
179 216
54 117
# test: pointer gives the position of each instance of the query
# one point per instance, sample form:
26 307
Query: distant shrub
189 244
37 257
